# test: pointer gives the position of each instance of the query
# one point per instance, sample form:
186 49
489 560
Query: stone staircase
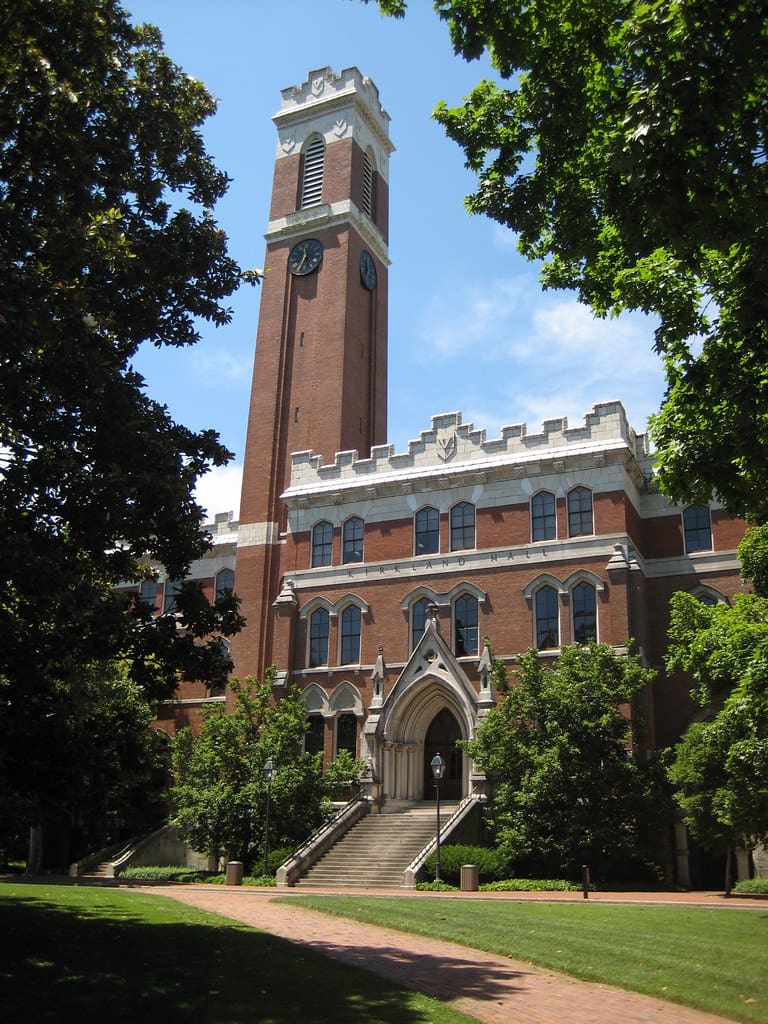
375 852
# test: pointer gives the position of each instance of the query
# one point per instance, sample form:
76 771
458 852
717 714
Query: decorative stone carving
446 445
340 126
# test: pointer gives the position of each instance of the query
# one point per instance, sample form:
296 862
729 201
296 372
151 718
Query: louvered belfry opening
314 160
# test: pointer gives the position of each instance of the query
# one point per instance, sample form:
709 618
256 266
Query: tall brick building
371 578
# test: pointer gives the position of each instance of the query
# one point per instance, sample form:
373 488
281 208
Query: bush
167 873
530 885
435 887
491 864
752 887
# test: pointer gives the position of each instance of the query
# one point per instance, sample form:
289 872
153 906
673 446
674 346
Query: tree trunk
728 869
35 854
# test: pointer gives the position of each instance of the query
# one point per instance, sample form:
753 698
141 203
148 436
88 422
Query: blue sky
469 327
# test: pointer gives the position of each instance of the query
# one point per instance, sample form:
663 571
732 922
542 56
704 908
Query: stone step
377 850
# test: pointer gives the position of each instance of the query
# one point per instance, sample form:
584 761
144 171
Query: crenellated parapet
451 449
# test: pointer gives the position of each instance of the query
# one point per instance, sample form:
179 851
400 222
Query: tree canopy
625 142
221 792
720 766
107 242
557 747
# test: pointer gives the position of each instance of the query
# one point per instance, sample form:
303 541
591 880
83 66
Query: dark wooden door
441 738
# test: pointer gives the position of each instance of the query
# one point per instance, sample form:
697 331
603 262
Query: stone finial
379 676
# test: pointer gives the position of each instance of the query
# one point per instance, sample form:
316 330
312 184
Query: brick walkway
489 988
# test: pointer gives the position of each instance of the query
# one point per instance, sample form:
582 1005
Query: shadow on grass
104 957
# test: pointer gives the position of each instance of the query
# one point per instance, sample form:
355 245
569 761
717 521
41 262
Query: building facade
379 582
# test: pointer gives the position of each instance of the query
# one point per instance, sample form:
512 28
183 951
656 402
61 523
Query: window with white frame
352 540
462 526
584 612
314 737
322 544
426 531
225 583
312 177
346 734
419 615
580 520
465 625
148 593
697 527
318 637
547 613
351 624
172 591
543 516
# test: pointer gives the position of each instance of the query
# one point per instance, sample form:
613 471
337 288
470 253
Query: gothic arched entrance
441 738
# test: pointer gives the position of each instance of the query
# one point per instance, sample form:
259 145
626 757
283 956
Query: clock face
305 256
367 270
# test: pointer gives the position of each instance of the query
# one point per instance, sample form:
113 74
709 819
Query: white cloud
219 490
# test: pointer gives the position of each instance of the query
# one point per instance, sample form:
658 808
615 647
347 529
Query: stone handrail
415 869
321 840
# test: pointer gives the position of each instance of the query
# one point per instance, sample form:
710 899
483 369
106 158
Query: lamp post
269 774
437 764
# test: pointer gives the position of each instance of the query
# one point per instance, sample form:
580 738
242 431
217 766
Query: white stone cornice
328 215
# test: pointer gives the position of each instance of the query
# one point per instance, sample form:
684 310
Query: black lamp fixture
269 774
437 764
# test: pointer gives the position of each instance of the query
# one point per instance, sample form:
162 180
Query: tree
99 768
625 143
221 793
557 748
720 766
107 242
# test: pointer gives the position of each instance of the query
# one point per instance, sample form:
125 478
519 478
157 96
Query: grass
711 959
88 954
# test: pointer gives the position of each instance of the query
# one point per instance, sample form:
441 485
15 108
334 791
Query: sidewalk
493 989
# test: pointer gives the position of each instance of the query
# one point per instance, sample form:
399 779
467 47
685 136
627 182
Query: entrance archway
441 737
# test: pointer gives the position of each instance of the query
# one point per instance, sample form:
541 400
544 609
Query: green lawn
86 954
715 960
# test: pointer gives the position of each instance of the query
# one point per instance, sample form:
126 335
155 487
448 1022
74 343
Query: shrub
530 885
434 886
491 864
167 873
752 887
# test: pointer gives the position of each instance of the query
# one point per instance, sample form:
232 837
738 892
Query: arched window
584 605
547 619
322 544
350 635
418 620
352 540
318 637
462 526
465 625
427 531
543 516
346 734
369 181
172 591
697 527
314 738
225 583
148 593
312 177
580 512
221 667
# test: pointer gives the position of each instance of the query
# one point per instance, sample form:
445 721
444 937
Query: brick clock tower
320 370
